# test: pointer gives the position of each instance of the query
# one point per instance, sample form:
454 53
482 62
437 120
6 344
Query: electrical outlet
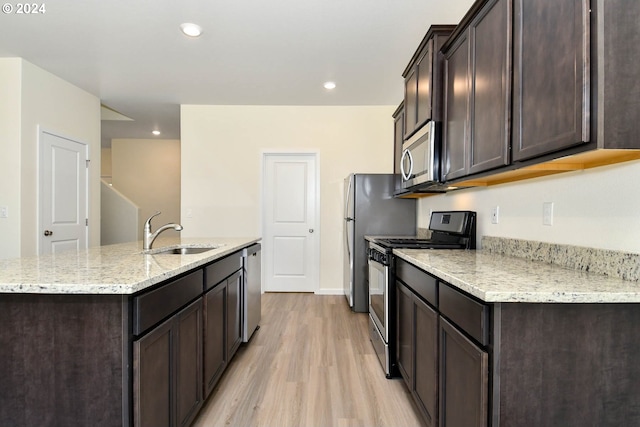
4 212
495 215
188 213
547 213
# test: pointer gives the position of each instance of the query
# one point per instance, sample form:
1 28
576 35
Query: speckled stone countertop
500 278
113 269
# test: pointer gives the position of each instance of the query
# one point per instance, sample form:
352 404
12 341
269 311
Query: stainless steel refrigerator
370 209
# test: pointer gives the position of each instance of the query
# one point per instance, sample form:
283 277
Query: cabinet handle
48 233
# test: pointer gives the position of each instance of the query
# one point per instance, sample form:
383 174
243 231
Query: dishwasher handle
252 250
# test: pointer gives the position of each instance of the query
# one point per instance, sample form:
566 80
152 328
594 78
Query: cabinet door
463 380
398 139
167 371
424 73
188 363
152 377
410 102
426 360
490 88
215 354
234 313
404 338
551 76
455 134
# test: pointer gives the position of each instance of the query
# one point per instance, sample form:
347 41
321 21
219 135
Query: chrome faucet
148 237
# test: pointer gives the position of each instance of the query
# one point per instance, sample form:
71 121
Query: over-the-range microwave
420 162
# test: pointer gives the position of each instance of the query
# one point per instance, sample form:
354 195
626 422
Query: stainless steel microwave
419 164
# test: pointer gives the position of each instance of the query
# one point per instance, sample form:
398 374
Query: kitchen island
80 329
487 339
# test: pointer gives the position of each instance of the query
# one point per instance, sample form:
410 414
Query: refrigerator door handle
346 216
346 200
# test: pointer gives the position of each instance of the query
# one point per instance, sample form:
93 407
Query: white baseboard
330 292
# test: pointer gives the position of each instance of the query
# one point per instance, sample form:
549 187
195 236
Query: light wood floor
310 364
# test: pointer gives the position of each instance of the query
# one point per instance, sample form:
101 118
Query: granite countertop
500 278
113 269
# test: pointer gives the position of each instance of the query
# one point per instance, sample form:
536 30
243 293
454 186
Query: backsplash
624 265
424 233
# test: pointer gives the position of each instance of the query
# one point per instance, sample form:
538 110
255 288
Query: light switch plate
495 215
4 212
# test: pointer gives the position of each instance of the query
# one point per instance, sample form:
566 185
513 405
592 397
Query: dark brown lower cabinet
222 317
567 365
167 371
152 377
215 352
188 391
405 333
234 313
119 360
417 351
62 360
426 360
515 364
464 379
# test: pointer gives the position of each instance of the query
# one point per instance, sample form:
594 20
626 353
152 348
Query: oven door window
378 295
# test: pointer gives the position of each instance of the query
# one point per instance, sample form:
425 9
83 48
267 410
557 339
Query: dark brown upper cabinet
539 87
616 107
477 92
550 76
422 80
398 139
455 127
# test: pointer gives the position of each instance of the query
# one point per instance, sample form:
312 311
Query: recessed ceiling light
155 132
191 30
329 85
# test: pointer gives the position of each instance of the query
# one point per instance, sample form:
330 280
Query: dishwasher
252 290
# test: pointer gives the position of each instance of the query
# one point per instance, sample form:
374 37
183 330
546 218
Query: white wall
10 101
222 148
597 208
120 217
36 98
147 171
59 107
105 163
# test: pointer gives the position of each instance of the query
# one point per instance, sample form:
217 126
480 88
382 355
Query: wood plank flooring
309 364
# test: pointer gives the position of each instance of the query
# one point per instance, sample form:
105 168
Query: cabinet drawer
471 316
152 307
420 282
220 270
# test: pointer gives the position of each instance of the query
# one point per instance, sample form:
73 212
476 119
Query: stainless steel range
449 230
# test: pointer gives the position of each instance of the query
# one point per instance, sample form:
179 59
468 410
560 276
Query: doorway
291 240
62 194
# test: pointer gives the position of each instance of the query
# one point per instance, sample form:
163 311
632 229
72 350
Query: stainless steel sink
182 250
187 251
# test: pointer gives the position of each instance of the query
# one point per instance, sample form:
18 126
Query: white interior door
62 194
290 238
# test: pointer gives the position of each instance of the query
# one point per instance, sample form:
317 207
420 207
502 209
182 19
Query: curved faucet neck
148 237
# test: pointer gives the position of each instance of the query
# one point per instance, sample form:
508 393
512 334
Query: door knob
311 230
48 233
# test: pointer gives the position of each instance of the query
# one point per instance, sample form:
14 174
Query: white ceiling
132 55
